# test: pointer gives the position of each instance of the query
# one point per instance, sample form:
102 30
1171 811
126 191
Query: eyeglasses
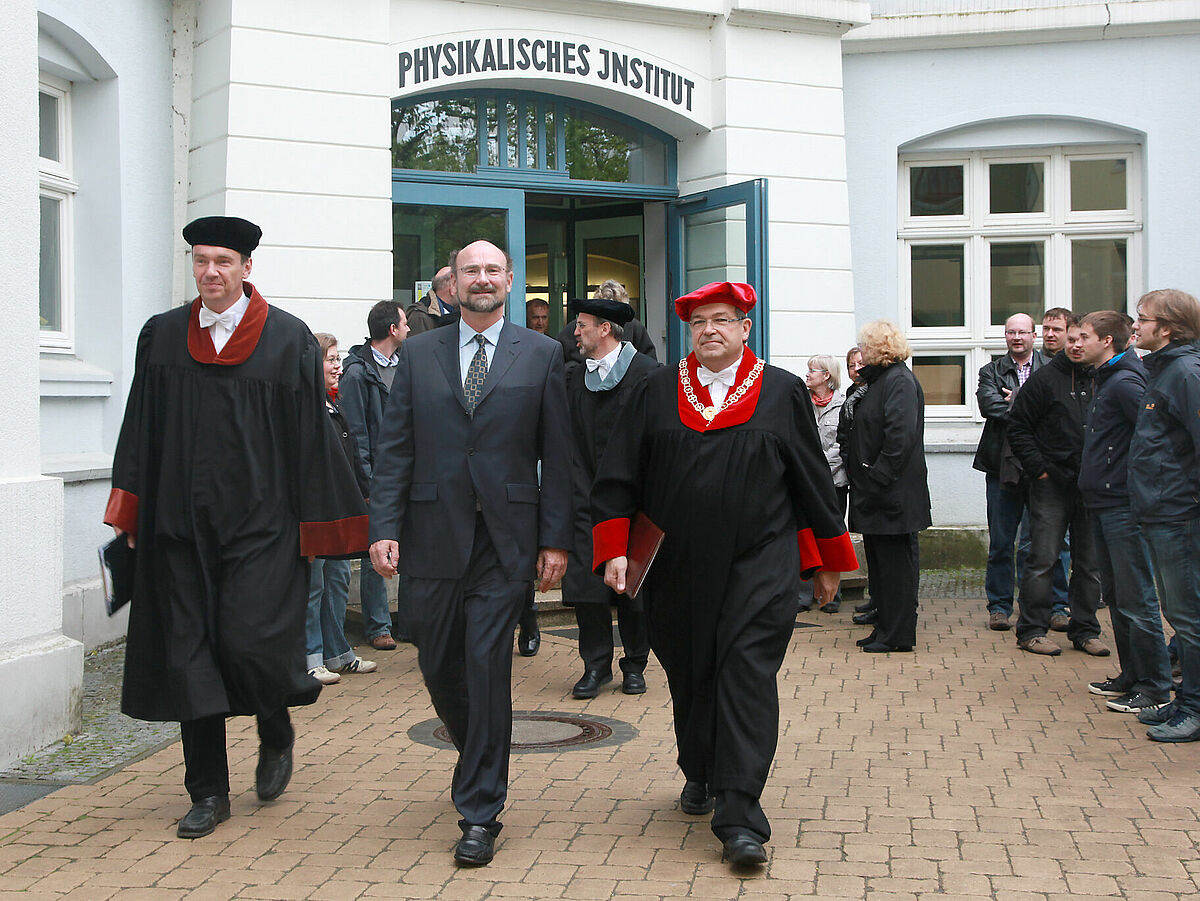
1012 333
489 271
721 322
811 371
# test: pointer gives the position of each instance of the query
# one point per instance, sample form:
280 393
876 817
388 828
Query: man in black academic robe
227 476
722 453
596 392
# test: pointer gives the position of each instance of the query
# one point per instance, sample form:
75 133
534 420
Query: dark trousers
596 636
1053 508
528 618
1127 581
463 632
893 576
1008 525
1175 551
206 765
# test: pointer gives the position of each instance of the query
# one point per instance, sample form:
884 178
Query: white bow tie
208 318
592 365
708 377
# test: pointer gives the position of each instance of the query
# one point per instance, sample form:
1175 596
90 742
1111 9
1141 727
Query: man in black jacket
1126 577
1045 430
436 308
1164 488
367 376
999 382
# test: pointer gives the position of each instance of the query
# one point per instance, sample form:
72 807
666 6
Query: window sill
77 467
71 377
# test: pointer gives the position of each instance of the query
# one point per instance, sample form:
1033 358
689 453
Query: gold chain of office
710 413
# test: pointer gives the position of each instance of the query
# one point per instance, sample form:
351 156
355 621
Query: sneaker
1059 622
998 621
1093 646
1134 702
1157 716
324 676
1180 727
358 665
1040 644
1109 688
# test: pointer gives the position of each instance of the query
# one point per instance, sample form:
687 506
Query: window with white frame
987 234
57 190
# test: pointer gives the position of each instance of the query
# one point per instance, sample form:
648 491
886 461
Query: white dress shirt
718 383
605 364
467 345
222 325
385 362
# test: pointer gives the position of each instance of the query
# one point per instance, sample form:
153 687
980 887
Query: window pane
938 285
936 191
1098 185
50 274
942 378
493 132
1018 280
551 138
1098 275
600 148
531 135
424 236
510 118
619 258
48 127
1017 187
714 246
441 135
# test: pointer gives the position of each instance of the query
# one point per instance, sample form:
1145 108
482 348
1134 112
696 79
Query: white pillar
42 670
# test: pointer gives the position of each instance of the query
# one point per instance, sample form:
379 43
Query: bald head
482 277
1018 335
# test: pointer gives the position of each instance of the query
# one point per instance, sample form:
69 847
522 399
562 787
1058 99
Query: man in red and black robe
227 478
722 453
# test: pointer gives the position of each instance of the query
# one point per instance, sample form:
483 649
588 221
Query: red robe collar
734 414
240 344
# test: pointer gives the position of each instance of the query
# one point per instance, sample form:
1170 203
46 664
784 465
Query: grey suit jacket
434 460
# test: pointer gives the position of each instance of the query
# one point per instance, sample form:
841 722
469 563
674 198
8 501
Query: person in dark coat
1045 430
1126 576
435 309
722 453
884 452
635 332
596 392
227 475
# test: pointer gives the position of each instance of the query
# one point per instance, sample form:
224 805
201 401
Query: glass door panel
719 236
610 249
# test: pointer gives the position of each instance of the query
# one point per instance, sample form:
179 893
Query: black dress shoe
878 647
204 816
476 847
832 607
529 641
744 851
589 685
695 800
866 618
870 639
805 606
273 773
864 606
633 684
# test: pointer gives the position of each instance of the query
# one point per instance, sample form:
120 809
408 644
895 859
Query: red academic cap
740 295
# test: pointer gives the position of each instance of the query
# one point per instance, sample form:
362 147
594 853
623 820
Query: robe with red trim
229 474
747 505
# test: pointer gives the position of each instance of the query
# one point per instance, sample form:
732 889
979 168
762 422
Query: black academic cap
223 231
612 310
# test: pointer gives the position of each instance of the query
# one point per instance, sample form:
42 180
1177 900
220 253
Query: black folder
117 560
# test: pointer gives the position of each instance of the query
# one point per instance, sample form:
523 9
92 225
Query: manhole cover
541 730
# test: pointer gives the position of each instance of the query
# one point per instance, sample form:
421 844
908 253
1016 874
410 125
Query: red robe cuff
122 511
832 554
339 538
609 539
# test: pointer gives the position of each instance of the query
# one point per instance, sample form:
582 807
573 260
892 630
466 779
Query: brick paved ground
966 769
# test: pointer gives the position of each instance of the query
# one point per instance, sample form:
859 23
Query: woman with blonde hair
884 451
823 381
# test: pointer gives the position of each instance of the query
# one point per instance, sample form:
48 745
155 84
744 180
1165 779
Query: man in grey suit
474 410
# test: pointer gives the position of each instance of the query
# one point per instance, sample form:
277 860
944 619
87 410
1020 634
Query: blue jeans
1175 553
325 634
372 594
1053 508
1127 580
1008 524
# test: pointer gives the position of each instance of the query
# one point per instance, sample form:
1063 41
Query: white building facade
939 163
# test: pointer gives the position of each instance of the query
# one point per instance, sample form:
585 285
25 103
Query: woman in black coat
884 452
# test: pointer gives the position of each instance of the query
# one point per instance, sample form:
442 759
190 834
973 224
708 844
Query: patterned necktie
476 374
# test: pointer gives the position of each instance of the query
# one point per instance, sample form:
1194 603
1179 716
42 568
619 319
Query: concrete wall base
48 703
86 620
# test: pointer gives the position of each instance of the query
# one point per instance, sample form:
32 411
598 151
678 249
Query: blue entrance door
718 236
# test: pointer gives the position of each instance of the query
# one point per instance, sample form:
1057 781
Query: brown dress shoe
998 622
1059 622
383 642
1040 644
1093 646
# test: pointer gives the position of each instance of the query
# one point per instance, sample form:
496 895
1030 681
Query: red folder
645 538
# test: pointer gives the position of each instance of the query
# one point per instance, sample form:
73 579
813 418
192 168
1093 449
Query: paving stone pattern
965 770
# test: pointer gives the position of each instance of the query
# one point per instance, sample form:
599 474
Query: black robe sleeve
616 492
123 500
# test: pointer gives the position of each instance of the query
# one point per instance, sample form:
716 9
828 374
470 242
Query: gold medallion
709 413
